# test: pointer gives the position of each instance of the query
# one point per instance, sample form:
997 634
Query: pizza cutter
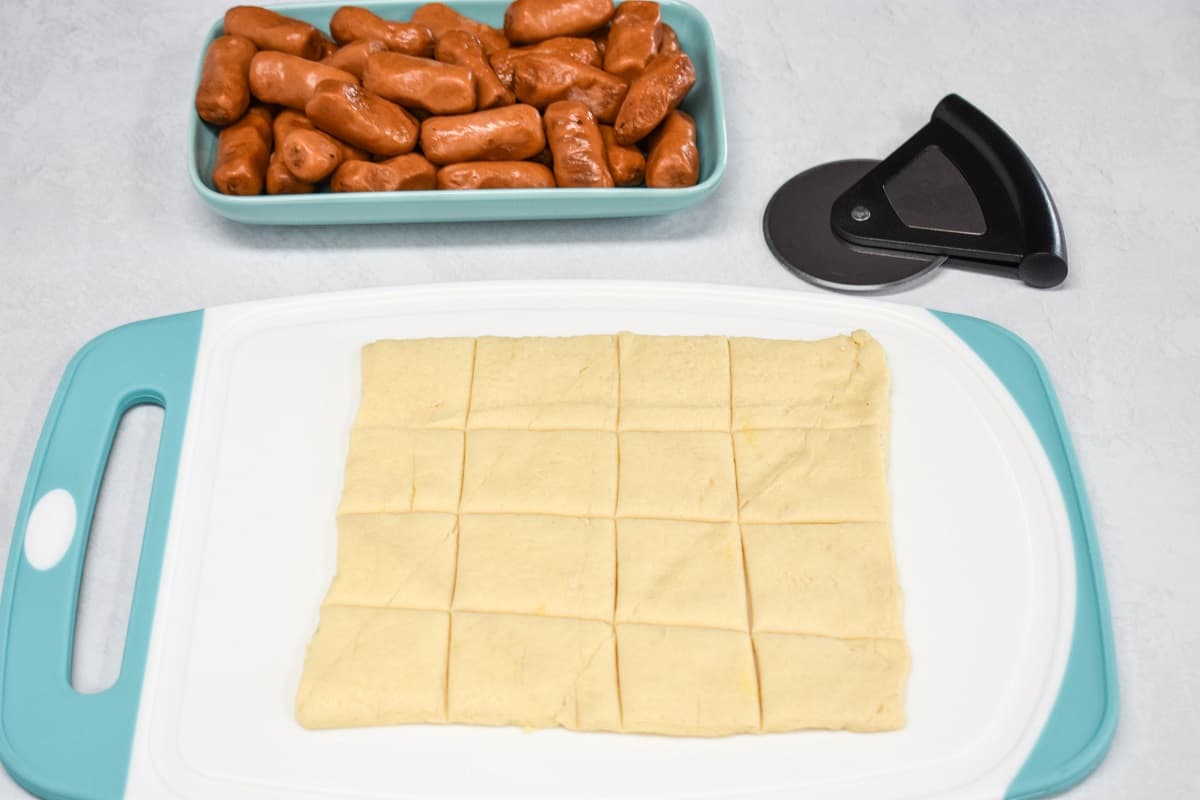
959 193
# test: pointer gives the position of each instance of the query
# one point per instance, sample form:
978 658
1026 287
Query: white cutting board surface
982 541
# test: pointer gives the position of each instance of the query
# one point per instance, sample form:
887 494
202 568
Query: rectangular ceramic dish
325 208
1013 690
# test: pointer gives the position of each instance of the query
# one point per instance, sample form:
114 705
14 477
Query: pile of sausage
577 93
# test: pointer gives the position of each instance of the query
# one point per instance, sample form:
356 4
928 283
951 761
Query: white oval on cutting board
50 528
982 541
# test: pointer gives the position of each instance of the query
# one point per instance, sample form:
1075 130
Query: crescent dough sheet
676 535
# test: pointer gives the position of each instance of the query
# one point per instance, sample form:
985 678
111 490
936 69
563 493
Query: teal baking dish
705 103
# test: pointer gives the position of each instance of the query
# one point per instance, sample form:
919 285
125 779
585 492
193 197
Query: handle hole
113 550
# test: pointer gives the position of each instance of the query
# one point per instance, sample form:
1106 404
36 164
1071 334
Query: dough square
533 671
540 472
824 580
416 383
374 666
684 573
690 681
832 383
394 561
811 475
556 566
677 475
839 684
543 383
674 383
398 470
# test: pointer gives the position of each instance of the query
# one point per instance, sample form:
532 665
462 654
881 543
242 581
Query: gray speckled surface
101 227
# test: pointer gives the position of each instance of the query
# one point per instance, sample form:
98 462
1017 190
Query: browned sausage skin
625 161
280 179
441 19
578 149
362 118
495 175
540 79
410 172
634 39
670 42
674 160
271 31
653 94
599 37
364 176
465 50
584 51
350 23
310 155
512 133
290 81
415 172
284 123
243 150
421 83
224 91
353 56
529 21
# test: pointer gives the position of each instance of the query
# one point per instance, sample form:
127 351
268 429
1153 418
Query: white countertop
101 228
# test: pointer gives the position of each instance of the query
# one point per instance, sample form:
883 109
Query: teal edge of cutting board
45 724
1081 724
55 742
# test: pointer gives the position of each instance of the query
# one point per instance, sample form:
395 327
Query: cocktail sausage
362 118
350 23
243 150
272 31
654 93
310 155
414 171
224 91
529 21
540 79
625 161
364 176
495 175
578 149
670 42
512 133
441 19
634 39
353 56
465 50
285 80
280 179
674 160
504 62
287 121
421 83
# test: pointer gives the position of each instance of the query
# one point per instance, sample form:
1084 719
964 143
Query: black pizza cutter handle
1023 236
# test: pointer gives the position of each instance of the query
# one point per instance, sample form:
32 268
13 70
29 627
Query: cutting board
1013 690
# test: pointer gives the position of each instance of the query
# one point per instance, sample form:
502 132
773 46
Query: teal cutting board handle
1081 724
54 741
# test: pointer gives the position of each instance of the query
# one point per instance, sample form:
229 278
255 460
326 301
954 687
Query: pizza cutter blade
796 225
959 193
